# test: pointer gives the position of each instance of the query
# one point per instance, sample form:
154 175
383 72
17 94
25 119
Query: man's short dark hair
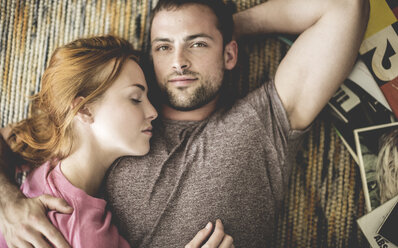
223 13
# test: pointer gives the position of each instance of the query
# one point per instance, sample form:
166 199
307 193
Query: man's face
187 51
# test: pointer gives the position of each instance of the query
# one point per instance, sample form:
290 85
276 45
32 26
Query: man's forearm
5 157
322 56
23 220
8 189
8 160
284 16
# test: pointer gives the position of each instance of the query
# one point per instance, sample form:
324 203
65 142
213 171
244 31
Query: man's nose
181 62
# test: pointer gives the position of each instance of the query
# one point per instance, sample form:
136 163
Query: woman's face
122 117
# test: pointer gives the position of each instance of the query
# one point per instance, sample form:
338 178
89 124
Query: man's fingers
27 237
36 240
53 235
24 222
21 244
200 237
46 228
56 204
217 236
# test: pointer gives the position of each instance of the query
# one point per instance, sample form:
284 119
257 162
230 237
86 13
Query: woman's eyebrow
142 87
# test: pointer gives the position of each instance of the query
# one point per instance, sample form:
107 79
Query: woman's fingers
227 242
215 239
217 236
200 237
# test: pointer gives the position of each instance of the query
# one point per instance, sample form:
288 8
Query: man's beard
181 99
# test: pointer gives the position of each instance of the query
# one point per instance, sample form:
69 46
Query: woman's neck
85 168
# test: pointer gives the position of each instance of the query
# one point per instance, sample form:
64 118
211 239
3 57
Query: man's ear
230 55
84 114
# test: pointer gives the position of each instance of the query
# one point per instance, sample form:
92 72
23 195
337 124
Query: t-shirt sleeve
266 102
271 113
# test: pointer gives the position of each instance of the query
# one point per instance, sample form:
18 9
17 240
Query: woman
92 109
387 166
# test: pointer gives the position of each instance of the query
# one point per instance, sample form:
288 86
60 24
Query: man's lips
182 81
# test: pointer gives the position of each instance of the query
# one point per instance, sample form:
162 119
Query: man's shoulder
258 97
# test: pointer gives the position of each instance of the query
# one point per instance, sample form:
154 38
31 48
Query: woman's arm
23 221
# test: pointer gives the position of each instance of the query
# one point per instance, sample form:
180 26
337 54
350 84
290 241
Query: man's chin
189 101
182 103
185 108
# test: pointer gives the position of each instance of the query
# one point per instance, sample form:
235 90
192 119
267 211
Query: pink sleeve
88 230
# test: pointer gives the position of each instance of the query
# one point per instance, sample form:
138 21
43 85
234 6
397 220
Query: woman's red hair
85 67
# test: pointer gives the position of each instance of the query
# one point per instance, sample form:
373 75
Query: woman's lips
148 131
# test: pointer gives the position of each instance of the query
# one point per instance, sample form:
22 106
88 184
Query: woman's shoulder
35 183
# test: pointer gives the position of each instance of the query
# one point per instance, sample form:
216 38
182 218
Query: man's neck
192 115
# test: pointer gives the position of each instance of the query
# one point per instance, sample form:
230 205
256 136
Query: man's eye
199 44
162 48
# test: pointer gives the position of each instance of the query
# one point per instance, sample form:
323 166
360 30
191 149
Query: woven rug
325 196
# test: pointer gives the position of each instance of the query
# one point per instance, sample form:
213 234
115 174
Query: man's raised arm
23 221
320 59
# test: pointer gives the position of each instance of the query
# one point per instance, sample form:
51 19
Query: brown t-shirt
234 166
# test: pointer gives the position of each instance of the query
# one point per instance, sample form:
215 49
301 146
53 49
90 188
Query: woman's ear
230 55
84 114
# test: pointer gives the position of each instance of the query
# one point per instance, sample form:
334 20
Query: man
207 160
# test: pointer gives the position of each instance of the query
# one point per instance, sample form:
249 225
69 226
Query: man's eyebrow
160 40
194 36
188 38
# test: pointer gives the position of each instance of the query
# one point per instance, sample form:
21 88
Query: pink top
90 223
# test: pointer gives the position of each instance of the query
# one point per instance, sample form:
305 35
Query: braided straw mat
324 197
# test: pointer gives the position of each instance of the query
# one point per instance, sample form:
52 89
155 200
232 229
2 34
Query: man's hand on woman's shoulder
24 223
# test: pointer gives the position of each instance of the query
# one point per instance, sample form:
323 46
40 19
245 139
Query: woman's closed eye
134 100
